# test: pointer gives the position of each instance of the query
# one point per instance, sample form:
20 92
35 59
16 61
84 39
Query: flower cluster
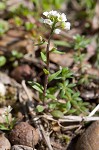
7 111
58 20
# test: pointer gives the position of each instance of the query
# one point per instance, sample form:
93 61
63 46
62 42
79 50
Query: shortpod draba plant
56 21
63 89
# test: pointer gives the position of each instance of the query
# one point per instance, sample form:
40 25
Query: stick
94 111
71 118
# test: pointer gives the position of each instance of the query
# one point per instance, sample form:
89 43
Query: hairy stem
47 66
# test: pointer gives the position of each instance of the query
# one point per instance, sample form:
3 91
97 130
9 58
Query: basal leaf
40 108
54 75
57 114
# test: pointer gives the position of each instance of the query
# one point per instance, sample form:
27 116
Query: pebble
89 140
24 134
4 142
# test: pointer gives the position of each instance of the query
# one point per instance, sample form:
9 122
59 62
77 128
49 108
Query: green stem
47 64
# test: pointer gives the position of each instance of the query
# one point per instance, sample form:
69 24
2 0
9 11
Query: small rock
24 134
88 95
89 140
4 142
21 147
22 72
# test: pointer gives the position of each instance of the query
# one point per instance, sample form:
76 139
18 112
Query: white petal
2 89
67 26
57 31
45 13
54 13
48 21
9 108
63 17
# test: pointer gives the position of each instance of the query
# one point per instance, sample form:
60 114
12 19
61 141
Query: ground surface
54 124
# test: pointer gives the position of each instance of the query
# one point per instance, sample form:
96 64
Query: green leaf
68 105
61 43
66 73
57 114
53 105
51 97
18 21
53 76
58 52
54 50
4 26
71 85
72 111
43 56
2 127
46 71
2 61
16 54
40 108
80 42
36 86
29 26
52 90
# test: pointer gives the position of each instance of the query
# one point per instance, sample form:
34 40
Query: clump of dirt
4 142
89 140
24 134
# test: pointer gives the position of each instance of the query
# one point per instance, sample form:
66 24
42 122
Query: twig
71 118
26 90
46 137
94 111
70 127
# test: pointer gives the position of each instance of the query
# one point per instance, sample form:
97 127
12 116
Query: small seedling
80 44
8 121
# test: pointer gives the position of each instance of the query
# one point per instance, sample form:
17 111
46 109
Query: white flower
2 89
46 13
63 17
56 19
67 26
57 31
47 21
8 109
53 13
